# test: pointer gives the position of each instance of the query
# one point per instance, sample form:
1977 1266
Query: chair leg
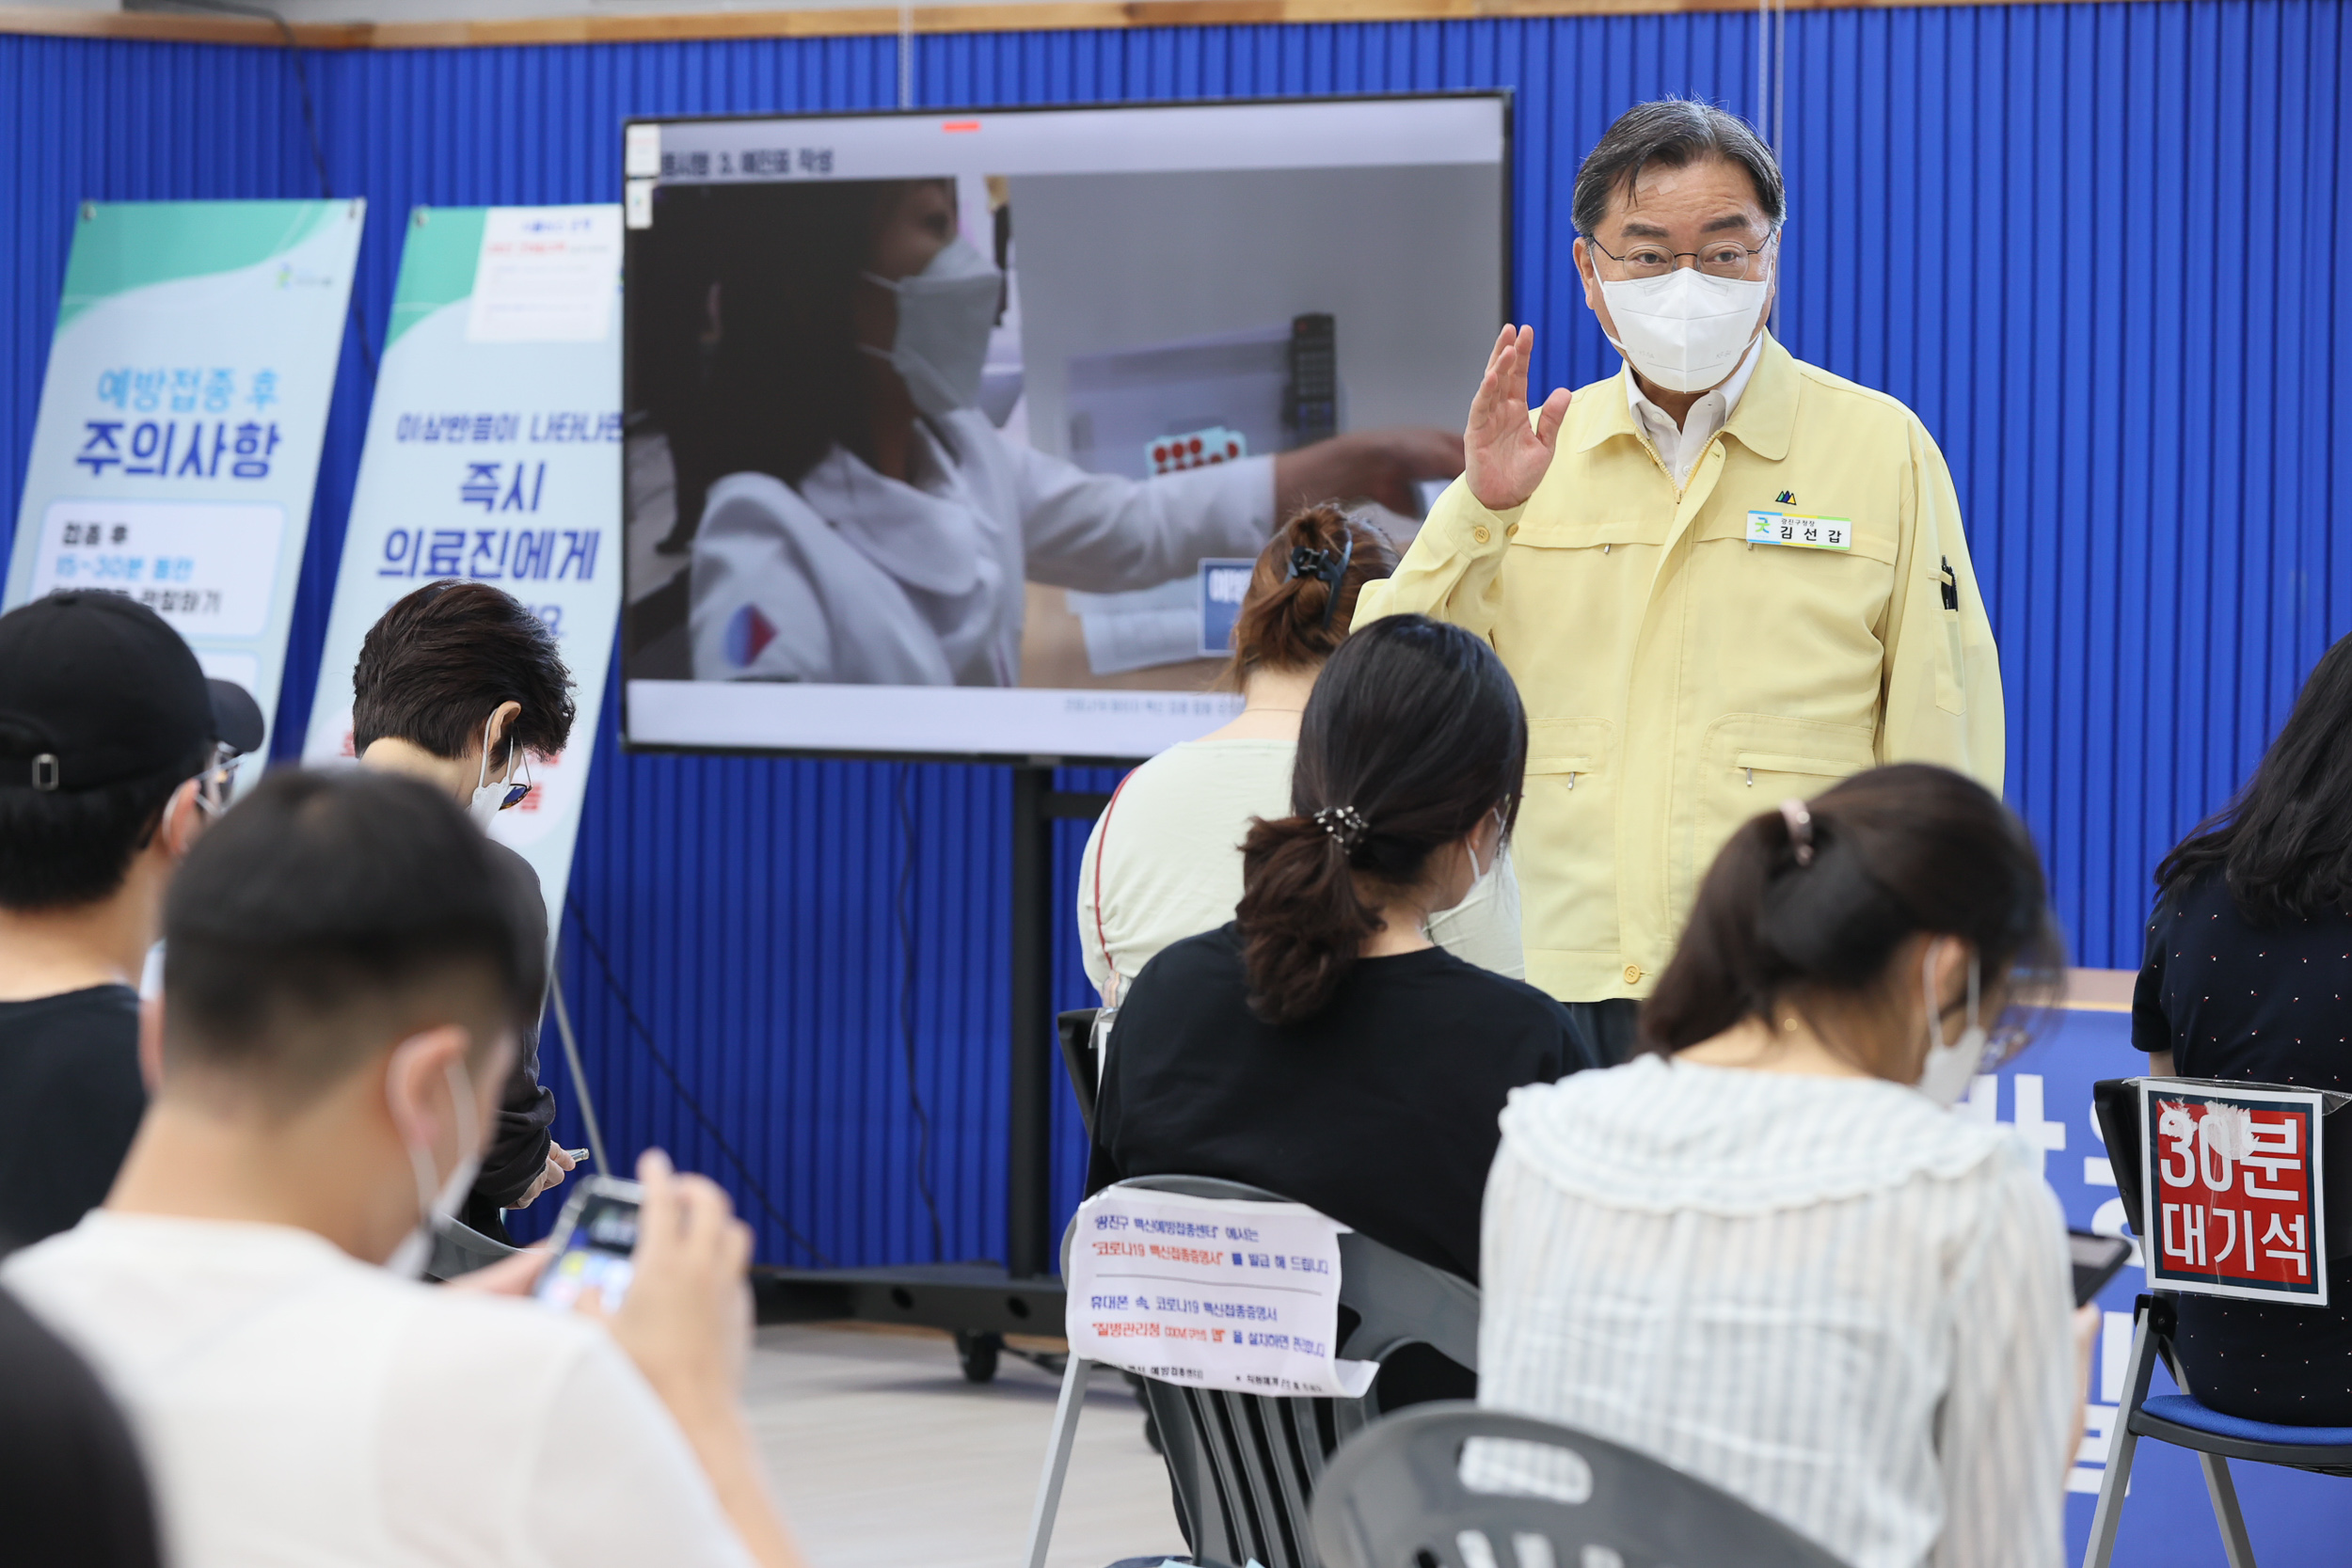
1074 1397
2121 1442
2239 1550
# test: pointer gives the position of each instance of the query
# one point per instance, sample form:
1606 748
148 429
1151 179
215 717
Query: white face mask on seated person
1480 875
1949 1069
434 1205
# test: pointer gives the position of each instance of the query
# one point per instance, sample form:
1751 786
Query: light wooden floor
885 1458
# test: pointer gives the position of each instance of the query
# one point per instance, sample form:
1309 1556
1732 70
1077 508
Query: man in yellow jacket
1722 578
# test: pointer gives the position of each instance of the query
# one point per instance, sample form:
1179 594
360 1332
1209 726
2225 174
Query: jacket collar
1763 422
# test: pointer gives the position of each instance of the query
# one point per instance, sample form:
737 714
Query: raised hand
1505 456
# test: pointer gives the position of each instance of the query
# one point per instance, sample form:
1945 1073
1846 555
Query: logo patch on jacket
748 631
1787 497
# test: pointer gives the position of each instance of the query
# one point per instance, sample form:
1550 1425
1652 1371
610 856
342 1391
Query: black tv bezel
929 111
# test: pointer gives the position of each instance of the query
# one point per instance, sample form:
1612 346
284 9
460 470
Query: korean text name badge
1808 533
2231 1191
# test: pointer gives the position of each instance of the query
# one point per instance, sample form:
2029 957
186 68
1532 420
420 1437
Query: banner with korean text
182 417
494 452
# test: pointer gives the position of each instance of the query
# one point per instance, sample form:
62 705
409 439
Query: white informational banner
1212 1292
181 418
494 452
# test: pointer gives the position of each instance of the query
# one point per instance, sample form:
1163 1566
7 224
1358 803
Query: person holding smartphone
345 975
1766 1251
460 685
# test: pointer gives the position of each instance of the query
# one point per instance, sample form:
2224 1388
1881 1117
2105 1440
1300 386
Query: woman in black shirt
2249 976
1321 1047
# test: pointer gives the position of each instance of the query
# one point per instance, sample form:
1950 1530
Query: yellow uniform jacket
1679 678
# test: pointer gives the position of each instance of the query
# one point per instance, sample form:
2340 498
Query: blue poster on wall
493 453
182 418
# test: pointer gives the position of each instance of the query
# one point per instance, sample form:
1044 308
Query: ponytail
1301 917
1412 736
1302 592
1814 899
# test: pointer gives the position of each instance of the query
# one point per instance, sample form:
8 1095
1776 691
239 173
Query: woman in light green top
1164 861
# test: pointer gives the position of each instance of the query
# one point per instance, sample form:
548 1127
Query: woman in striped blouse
1766 1250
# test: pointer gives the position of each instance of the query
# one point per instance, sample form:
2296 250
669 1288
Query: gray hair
1674 132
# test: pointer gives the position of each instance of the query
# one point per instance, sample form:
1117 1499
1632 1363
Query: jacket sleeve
1103 533
519 1141
1941 701
1453 572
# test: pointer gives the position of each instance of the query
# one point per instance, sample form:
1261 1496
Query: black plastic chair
1394 1499
1082 1058
1244 1467
2181 1419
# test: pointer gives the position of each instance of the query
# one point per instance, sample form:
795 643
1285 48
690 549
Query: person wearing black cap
114 751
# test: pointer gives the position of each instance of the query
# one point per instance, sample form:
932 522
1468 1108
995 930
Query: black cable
906 1013
595 949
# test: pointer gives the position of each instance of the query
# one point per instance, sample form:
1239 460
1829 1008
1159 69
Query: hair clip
1345 823
1309 561
1799 822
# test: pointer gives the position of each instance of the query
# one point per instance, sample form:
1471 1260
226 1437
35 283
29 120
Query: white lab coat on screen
854 579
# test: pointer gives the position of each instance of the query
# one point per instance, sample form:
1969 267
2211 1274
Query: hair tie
1800 829
1345 823
1309 561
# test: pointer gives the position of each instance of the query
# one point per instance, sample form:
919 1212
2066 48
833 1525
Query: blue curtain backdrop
2099 247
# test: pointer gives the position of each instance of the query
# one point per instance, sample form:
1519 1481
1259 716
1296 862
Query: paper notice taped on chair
1213 1293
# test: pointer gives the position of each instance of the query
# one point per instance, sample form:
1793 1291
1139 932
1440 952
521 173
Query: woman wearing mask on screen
1164 862
1766 1250
866 523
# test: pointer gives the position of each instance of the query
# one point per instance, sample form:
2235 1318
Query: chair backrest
2116 1104
459 1249
1244 1467
1080 1059
1394 1499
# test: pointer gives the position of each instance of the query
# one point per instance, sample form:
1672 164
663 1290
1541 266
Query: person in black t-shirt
114 749
2247 971
73 1491
458 685
1321 1047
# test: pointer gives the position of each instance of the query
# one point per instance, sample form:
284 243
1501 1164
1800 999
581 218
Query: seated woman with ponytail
1164 862
1320 1045
1766 1251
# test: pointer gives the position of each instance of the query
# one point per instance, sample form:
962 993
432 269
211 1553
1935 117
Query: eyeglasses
219 782
1717 258
520 789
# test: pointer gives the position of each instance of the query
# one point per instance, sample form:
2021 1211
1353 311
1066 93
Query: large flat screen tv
954 435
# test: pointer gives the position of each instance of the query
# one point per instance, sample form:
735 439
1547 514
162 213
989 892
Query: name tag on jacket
1790 527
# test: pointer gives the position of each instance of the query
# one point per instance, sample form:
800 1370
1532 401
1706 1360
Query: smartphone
2096 1260
594 1244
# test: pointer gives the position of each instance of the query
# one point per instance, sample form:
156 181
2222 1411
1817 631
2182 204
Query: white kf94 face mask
945 313
1951 1069
1685 331
433 1206
493 796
